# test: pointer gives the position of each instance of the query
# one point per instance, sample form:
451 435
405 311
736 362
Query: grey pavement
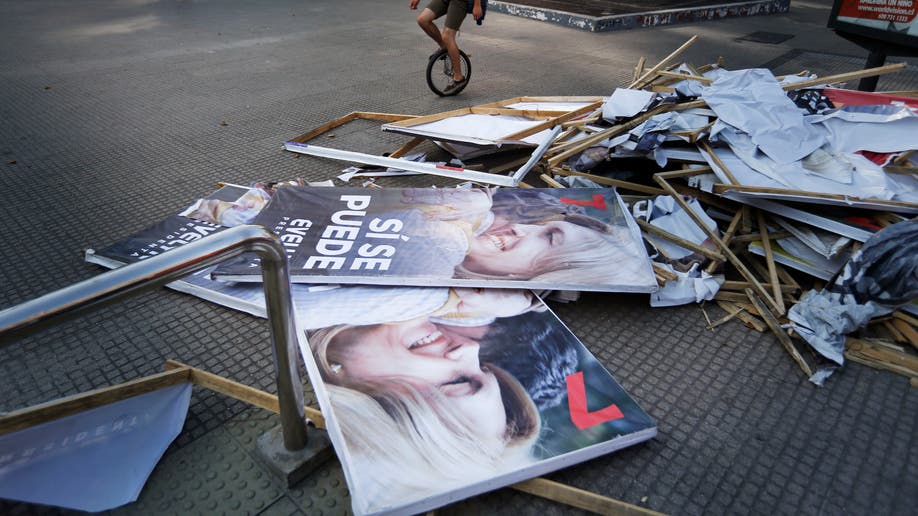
115 114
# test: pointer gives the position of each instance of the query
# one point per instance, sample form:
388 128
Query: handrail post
276 280
79 298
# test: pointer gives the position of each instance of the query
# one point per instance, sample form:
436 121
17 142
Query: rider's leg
426 22
452 49
455 14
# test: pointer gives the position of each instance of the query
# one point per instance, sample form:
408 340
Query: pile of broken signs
788 202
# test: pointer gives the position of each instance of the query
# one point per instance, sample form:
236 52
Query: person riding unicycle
455 11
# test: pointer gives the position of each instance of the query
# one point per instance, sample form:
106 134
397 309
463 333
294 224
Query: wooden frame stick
580 498
405 149
615 130
681 242
638 69
706 147
625 185
238 391
686 172
741 286
548 124
720 188
724 248
844 77
779 332
770 263
651 74
550 181
685 77
747 319
727 238
786 278
908 332
753 237
697 134
898 314
709 199
362 115
730 316
543 488
876 355
70 405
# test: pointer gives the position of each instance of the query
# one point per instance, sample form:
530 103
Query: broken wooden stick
651 74
725 249
779 332
770 263
876 354
608 181
728 236
681 242
589 141
355 115
742 314
845 77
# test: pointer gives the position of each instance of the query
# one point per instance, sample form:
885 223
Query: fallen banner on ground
580 239
485 389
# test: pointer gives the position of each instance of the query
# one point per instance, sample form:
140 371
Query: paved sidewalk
115 114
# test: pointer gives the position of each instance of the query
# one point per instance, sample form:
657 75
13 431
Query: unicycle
440 72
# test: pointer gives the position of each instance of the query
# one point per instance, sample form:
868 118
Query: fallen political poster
435 395
574 239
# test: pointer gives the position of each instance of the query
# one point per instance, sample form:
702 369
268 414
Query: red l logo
577 405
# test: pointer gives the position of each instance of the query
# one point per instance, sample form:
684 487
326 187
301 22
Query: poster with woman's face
431 395
563 239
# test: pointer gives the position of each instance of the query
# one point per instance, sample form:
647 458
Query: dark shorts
455 11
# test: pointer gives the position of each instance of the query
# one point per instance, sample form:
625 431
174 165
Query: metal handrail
55 307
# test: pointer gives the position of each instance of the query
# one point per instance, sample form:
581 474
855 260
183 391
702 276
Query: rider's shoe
454 86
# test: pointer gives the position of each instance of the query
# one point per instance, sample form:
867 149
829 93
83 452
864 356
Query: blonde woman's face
516 248
428 356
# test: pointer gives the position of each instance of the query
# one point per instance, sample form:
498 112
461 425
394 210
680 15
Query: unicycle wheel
440 72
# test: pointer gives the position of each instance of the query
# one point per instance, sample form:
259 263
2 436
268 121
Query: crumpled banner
753 102
879 278
693 286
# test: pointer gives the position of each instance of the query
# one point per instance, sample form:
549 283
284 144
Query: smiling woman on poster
510 234
415 390
431 395
416 393
569 239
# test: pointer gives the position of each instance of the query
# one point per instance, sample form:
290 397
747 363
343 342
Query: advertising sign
889 21
563 239
435 395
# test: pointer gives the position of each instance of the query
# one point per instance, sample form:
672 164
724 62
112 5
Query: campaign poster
172 232
893 21
432 395
562 239
228 206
